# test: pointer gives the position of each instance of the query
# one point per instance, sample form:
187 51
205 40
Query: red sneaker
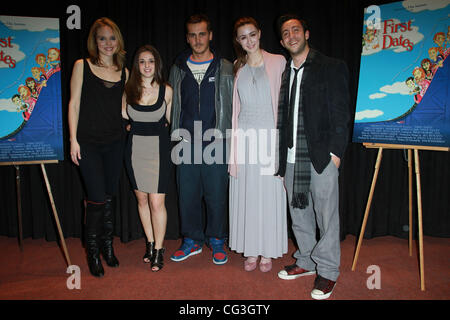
293 272
322 288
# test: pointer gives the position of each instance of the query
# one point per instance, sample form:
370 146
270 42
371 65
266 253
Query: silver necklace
253 71
253 75
257 65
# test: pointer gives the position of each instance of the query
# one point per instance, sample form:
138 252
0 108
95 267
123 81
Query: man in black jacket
313 118
202 103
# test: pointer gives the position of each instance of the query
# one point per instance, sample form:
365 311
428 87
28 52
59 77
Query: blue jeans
322 255
198 182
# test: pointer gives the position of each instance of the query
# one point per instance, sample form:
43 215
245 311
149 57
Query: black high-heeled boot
149 251
94 228
108 233
158 259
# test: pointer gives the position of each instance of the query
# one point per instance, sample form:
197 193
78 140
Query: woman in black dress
97 135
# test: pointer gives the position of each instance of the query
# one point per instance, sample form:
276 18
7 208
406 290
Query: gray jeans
322 255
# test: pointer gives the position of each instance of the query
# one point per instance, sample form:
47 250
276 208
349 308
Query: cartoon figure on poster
404 76
30 88
28 93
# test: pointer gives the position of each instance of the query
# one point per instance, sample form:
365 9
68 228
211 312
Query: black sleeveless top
100 118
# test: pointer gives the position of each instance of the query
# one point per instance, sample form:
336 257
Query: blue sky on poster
28 37
382 92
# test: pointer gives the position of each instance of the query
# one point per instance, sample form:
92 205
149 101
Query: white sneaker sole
187 256
285 276
220 262
318 295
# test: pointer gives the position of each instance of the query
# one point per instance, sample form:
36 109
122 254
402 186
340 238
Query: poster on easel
30 90
404 86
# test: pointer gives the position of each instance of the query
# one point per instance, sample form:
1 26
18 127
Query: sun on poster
30 89
404 88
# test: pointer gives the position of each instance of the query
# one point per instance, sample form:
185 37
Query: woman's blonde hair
119 55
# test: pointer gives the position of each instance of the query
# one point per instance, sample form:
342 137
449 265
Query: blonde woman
97 135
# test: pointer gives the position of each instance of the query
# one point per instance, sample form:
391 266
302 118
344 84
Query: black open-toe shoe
149 251
158 260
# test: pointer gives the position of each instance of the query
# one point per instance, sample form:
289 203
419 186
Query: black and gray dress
147 156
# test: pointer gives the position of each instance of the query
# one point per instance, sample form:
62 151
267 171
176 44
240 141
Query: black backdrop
335 29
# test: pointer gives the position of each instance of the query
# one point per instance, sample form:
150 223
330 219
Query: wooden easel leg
419 207
19 208
369 202
410 182
55 214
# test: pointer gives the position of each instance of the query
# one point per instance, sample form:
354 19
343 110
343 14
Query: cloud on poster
33 25
368 114
421 5
53 40
7 105
377 95
396 88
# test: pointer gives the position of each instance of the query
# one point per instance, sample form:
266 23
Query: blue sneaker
187 249
219 254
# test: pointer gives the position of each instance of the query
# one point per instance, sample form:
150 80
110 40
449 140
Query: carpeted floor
39 273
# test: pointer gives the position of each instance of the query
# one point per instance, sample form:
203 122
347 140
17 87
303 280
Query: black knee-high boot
94 229
108 234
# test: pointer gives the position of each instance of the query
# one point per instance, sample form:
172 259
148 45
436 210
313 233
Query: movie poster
30 90
403 94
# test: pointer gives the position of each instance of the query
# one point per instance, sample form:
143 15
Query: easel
419 198
52 202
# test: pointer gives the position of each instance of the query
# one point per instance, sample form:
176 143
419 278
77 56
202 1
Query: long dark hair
133 88
241 55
